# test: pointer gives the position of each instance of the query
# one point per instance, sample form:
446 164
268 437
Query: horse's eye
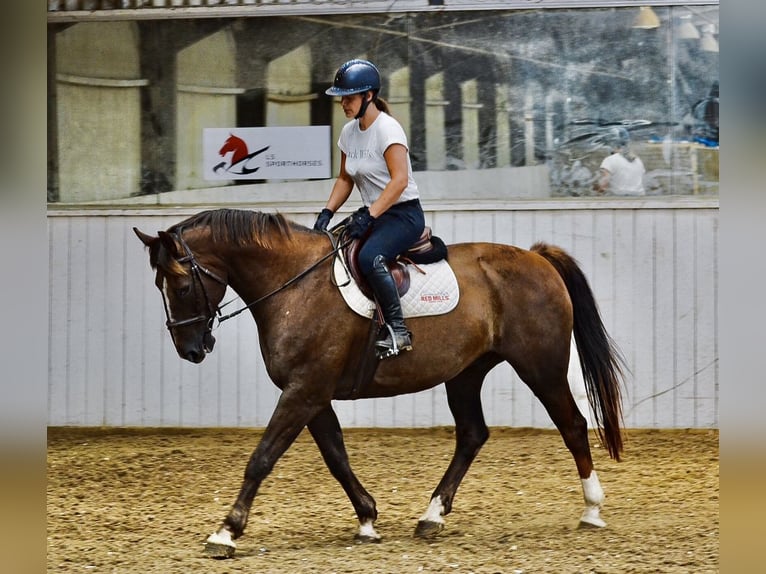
184 291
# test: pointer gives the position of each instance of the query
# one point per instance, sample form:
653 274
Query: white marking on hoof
594 498
432 521
220 545
434 512
590 518
367 532
223 536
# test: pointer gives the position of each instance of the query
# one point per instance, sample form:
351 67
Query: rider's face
351 104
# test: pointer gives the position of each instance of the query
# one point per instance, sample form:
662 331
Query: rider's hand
361 221
323 220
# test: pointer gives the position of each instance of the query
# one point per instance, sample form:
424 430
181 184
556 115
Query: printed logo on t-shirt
359 154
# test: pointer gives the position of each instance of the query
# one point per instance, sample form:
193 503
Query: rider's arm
396 161
342 187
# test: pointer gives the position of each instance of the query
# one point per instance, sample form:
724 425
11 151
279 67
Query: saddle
427 249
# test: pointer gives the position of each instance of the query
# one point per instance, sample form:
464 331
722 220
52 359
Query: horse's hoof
220 545
590 518
366 539
219 551
428 528
590 522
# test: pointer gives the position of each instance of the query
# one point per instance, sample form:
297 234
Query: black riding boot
397 338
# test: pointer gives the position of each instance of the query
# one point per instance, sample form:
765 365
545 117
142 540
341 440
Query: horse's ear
169 241
147 240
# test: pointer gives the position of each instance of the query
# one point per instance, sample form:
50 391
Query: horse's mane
239 226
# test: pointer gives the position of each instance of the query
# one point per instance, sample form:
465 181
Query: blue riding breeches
393 232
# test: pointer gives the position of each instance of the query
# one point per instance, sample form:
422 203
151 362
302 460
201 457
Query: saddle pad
433 290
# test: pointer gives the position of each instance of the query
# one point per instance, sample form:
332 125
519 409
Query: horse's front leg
292 413
328 436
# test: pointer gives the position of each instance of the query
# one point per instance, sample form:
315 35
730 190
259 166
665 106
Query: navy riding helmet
355 77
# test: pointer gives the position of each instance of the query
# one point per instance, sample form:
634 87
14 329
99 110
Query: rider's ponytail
382 105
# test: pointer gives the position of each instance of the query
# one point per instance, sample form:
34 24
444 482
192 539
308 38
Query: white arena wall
652 263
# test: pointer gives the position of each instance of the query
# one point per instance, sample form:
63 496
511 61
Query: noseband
196 271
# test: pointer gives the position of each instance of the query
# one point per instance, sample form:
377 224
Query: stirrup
382 348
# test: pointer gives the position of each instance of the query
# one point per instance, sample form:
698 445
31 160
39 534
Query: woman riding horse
375 157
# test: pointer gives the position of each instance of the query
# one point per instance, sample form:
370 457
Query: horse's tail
601 361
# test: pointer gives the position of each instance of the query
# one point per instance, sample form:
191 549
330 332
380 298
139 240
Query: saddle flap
399 271
427 249
433 290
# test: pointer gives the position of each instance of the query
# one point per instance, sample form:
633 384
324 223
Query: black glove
323 220
361 221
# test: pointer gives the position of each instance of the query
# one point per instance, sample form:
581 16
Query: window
517 103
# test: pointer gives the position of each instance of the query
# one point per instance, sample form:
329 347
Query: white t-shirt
365 163
625 177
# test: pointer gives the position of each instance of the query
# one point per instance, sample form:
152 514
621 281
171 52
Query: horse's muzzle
195 353
208 342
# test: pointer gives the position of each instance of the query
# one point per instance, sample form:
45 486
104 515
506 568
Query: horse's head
236 145
190 291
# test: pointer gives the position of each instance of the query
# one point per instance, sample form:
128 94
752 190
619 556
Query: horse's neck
255 271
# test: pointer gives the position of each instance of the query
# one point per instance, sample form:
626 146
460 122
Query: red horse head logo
239 158
236 145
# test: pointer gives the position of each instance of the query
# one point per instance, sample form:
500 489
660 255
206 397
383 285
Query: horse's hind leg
328 436
464 398
565 414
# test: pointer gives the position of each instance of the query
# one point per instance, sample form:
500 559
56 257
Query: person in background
622 171
375 157
705 113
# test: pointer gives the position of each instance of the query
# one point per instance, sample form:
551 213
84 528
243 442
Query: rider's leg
397 338
393 232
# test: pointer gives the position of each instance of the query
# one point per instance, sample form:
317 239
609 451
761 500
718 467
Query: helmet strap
365 103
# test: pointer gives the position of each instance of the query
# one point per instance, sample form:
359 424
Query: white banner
267 153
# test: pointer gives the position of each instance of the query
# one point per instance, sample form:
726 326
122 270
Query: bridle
196 272
214 311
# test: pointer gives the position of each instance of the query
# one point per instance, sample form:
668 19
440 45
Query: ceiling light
687 30
647 19
708 43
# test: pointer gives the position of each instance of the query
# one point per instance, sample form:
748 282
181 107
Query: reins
215 314
337 247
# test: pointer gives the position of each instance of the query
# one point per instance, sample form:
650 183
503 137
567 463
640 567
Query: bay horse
516 305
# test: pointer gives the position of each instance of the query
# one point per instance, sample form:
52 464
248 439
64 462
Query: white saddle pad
433 290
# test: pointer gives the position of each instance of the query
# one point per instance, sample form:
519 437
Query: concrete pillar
288 89
549 115
470 133
502 126
98 93
436 148
529 130
398 97
207 98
